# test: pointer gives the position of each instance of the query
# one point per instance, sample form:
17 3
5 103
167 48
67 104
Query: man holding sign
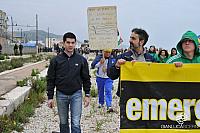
138 39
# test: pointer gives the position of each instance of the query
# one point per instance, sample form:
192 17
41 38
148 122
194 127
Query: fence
9 49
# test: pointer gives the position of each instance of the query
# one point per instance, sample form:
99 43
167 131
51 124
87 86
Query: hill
31 35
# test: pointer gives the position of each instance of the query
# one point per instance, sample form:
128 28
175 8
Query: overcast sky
164 20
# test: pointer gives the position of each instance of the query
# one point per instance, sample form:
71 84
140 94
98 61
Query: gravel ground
94 120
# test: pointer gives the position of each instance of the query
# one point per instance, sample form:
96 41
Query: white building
3 28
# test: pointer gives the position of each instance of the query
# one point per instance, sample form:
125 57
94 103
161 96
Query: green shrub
15 63
25 110
6 56
39 84
23 82
37 71
93 92
33 56
39 57
5 65
2 57
33 72
8 124
20 83
49 57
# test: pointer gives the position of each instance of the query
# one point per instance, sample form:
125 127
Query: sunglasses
187 40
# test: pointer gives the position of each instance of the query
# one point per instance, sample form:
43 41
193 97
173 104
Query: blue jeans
74 103
105 85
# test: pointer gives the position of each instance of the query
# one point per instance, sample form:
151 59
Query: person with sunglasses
188 50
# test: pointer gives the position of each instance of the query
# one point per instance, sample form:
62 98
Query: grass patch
19 62
2 57
99 124
35 72
93 92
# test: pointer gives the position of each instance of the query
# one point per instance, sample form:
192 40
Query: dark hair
154 51
69 35
142 34
166 53
173 49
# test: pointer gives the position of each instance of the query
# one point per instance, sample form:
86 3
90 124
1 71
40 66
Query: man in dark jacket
138 39
68 72
20 49
15 49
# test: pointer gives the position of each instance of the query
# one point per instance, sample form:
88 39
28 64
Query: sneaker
110 109
100 106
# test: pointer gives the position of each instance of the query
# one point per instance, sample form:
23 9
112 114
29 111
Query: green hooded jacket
180 57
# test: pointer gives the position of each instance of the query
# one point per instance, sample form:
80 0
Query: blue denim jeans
74 103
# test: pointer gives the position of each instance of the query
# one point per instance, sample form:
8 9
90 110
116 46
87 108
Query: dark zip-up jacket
68 74
114 73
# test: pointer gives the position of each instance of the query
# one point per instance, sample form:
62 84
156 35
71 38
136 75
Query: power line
18 25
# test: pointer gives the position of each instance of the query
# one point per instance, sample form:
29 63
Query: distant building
50 42
17 39
54 41
3 28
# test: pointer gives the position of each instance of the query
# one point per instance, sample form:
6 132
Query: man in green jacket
188 50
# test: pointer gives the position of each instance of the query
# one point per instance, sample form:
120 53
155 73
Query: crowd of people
69 72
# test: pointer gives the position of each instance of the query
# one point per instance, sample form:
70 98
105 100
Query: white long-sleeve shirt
102 69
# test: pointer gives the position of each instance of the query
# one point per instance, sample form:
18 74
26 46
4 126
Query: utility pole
1 24
36 30
12 27
24 38
21 35
48 37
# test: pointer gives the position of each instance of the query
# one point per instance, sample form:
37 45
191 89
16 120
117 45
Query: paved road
9 78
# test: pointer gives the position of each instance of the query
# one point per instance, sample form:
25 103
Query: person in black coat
138 39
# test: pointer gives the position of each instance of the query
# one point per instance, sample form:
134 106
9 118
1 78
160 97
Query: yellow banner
159 98
158 131
140 71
